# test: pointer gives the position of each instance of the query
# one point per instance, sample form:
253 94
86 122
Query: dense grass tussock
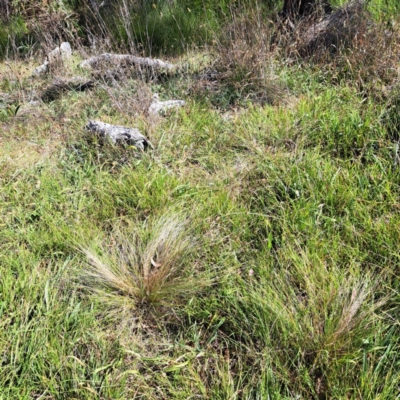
252 254
159 272
13 37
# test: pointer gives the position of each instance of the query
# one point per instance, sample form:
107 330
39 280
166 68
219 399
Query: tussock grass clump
246 60
145 268
348 45
309 318
296 203
48 23
148 27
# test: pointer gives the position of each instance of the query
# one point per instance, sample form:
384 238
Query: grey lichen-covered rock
157 106
62 52
119 134
42 69
65 50
110 59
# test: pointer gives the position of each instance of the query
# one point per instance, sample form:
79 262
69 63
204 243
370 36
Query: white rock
119 134
157 106
42 69
65 50
117 59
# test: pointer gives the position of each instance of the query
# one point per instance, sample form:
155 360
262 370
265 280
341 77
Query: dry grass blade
354 311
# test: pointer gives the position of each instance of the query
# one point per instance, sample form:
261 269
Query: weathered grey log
119 134
127 59
157 106
61 85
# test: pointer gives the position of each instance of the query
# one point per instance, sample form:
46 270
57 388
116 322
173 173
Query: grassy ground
253 254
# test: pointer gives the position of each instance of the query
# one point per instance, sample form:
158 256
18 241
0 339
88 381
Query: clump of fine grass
24 26
304 320
246 62
348 45
149 28
297 206
153 268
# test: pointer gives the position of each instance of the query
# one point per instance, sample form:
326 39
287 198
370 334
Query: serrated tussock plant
150 266
315 315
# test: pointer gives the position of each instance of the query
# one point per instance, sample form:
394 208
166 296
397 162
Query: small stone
157 106
65 50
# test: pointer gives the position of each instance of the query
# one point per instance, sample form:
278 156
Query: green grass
252 254
13 35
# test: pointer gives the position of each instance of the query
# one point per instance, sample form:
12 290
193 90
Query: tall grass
253 253
153 28
13 37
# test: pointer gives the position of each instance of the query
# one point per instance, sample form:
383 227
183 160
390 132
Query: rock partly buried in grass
121 61
62 85
62 52
159 107
119 134
42 69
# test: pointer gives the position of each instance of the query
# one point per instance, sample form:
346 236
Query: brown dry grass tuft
346 45
145 269
129 97
349 45
49 22
246 62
